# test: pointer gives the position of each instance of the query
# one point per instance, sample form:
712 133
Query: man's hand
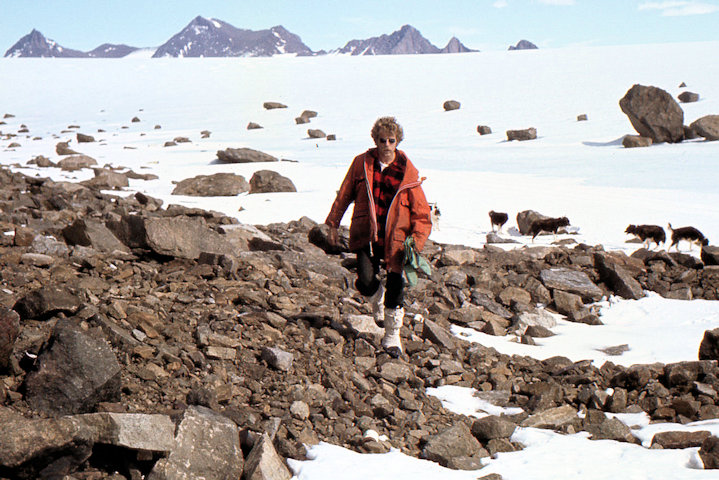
333 237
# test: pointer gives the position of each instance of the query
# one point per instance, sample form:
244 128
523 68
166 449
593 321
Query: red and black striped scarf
384 187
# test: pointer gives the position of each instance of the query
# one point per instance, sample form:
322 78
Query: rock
538 331
244 155
267 181
495 238
44 303
710 255
136 431
709 453
451 105
680 440
315 133
654 114
567 303
552 418
490 427
9 330
253 126
82 138
634 141
438 335
135 120
75 373
273 105
216 185
301 120
107 180
90 233
512 295
483 130
277 358
455 441
207 445
62 148
181 140
522 135
688 97
707 127
540 318
76 162
184 237
572 281
612 429
709 348
300 410
617 278
523 45
582 117
263 462
526 218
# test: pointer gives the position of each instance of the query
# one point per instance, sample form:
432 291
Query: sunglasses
385 140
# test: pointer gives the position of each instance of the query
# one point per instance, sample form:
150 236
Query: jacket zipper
373 212
391 204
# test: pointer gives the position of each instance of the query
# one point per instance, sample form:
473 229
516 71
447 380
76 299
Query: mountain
455 46
34 44
108 50
204 37
523 45
404 41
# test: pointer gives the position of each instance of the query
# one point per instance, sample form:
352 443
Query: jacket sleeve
345 195
420 218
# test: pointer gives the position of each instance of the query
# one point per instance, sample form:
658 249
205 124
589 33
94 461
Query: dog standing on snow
498 219
548 225
435 214
648 234
689 234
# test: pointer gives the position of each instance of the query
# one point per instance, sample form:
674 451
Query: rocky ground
137 341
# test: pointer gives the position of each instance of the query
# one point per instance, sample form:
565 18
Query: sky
326 25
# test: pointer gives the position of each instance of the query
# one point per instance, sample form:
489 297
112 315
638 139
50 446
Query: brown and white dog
689 234
548 225
648 234
498 219
434 216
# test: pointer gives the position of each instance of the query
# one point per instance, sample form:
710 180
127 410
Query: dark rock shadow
612 143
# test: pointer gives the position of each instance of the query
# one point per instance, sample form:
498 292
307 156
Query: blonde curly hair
389 125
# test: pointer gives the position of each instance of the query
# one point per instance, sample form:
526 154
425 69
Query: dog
648 234
690 234
548 225
498 218
434 215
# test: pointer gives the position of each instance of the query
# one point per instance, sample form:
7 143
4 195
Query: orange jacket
409 212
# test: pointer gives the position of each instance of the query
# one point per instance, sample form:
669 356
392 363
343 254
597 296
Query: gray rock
707 127
9 330
207 445
76 162
680 440
263 462
49 245
273 105
267 181
635 141
654 114
451 105
75 373
184 237
44 303
395 372
82 138
522 135
552 418
709 348
107 179
216 185
617 278
136 431
436 334
688 97
540 318
253 126
709 453
710 255
484 129
277 358
573 281
455 441
567 303
244 155
91 233
495 238
582 117
526 218
315 133
483 300
490 427
62 148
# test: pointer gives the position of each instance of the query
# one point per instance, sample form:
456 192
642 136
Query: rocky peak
109 50
523 45
455 46
34 44
406 40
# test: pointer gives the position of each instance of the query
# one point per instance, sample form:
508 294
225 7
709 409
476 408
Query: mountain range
204 37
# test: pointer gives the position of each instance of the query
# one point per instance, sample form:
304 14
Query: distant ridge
205 37
523 45
34 44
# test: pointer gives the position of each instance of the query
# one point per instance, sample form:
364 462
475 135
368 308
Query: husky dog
548 225
689 234
498 219
648 234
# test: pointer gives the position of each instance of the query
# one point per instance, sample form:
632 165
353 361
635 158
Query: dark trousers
368 269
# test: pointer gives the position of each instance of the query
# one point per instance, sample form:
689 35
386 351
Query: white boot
391 341
377 303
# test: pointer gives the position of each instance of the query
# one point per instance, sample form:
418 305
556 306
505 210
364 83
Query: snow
577 169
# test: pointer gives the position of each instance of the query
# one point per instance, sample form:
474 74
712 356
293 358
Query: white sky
574 168
328 24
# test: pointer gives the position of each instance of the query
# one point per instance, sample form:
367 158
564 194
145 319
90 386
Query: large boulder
707 127
522 135
455 441
107 179
244 155
617 278
267 181
43 303
451 105
9 330
184 237
264 463
525 220
688 97
76 371
709 348
654 114
91 233
76 162
216 185
710 255
572 281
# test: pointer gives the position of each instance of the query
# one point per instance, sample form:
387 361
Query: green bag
413 261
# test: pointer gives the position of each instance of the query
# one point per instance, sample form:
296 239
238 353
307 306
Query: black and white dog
498 219
548 225
648 234
689 234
